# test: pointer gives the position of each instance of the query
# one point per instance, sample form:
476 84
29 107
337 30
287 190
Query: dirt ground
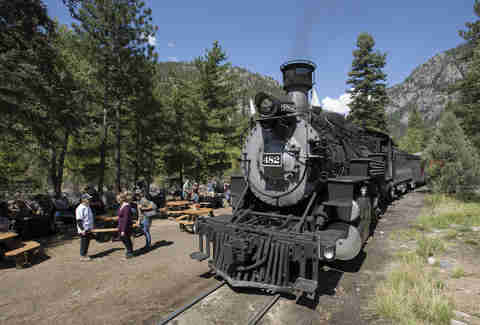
143 290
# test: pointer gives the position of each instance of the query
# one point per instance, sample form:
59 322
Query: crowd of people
133 208
191 190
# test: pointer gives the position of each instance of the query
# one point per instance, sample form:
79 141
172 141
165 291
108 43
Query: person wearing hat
84 217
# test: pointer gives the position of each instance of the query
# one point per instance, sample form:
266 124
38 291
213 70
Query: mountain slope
427 88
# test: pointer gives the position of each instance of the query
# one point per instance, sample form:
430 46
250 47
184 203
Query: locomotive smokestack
297 81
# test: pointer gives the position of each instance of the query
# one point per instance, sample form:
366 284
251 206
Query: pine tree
454 162
414 140
466 110
472 34
181 144
119 32
369 96
217 103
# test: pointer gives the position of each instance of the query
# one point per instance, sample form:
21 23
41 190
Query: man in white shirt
84 216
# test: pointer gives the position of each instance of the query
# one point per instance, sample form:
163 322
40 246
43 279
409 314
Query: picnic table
187 218
107 229
21 251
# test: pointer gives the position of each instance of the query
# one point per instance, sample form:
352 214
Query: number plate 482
272 160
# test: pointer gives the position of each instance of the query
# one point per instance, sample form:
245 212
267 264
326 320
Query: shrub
455 162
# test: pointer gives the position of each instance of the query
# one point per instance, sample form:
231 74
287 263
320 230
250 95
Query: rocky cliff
427 88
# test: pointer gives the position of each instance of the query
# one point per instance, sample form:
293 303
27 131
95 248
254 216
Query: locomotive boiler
310 192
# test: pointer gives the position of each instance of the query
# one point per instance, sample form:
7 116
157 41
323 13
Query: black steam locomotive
312 188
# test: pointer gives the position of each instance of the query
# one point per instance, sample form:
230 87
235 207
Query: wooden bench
104 230
103 235
187 220
7 235
27 246
23 253
106 218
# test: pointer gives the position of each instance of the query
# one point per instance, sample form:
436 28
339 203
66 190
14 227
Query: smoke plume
307 17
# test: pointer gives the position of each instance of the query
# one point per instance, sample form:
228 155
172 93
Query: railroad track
254 319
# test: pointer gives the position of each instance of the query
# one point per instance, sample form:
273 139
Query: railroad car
311 190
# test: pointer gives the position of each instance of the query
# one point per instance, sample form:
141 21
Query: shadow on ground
156 245
106 253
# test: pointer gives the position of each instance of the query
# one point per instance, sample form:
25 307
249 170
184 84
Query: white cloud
338 105
152 40
171 44
173 58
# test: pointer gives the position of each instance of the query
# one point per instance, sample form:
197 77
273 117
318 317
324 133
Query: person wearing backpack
146 210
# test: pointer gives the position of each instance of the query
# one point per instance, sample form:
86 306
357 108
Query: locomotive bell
297 81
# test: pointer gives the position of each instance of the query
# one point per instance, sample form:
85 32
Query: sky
261 35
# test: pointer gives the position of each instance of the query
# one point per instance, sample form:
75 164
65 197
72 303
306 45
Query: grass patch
451 234
458 273
471 242
405 235
406 256
427 247
441 211
412 295
412 292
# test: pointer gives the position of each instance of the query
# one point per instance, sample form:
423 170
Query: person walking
85 222
125 222
146 210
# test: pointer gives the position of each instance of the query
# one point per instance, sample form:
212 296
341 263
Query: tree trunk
118 147
103 148
148 180
61 165
53 169
137 153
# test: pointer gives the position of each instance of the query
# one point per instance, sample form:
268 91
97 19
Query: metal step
199 256
305 285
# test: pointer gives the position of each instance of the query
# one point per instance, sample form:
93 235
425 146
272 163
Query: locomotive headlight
267 105
329 253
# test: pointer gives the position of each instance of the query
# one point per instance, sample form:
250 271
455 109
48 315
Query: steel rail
264 310
184 308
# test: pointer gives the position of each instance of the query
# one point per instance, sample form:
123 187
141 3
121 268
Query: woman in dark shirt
125 222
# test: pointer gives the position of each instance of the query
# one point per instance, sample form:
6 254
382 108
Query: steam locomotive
311 190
